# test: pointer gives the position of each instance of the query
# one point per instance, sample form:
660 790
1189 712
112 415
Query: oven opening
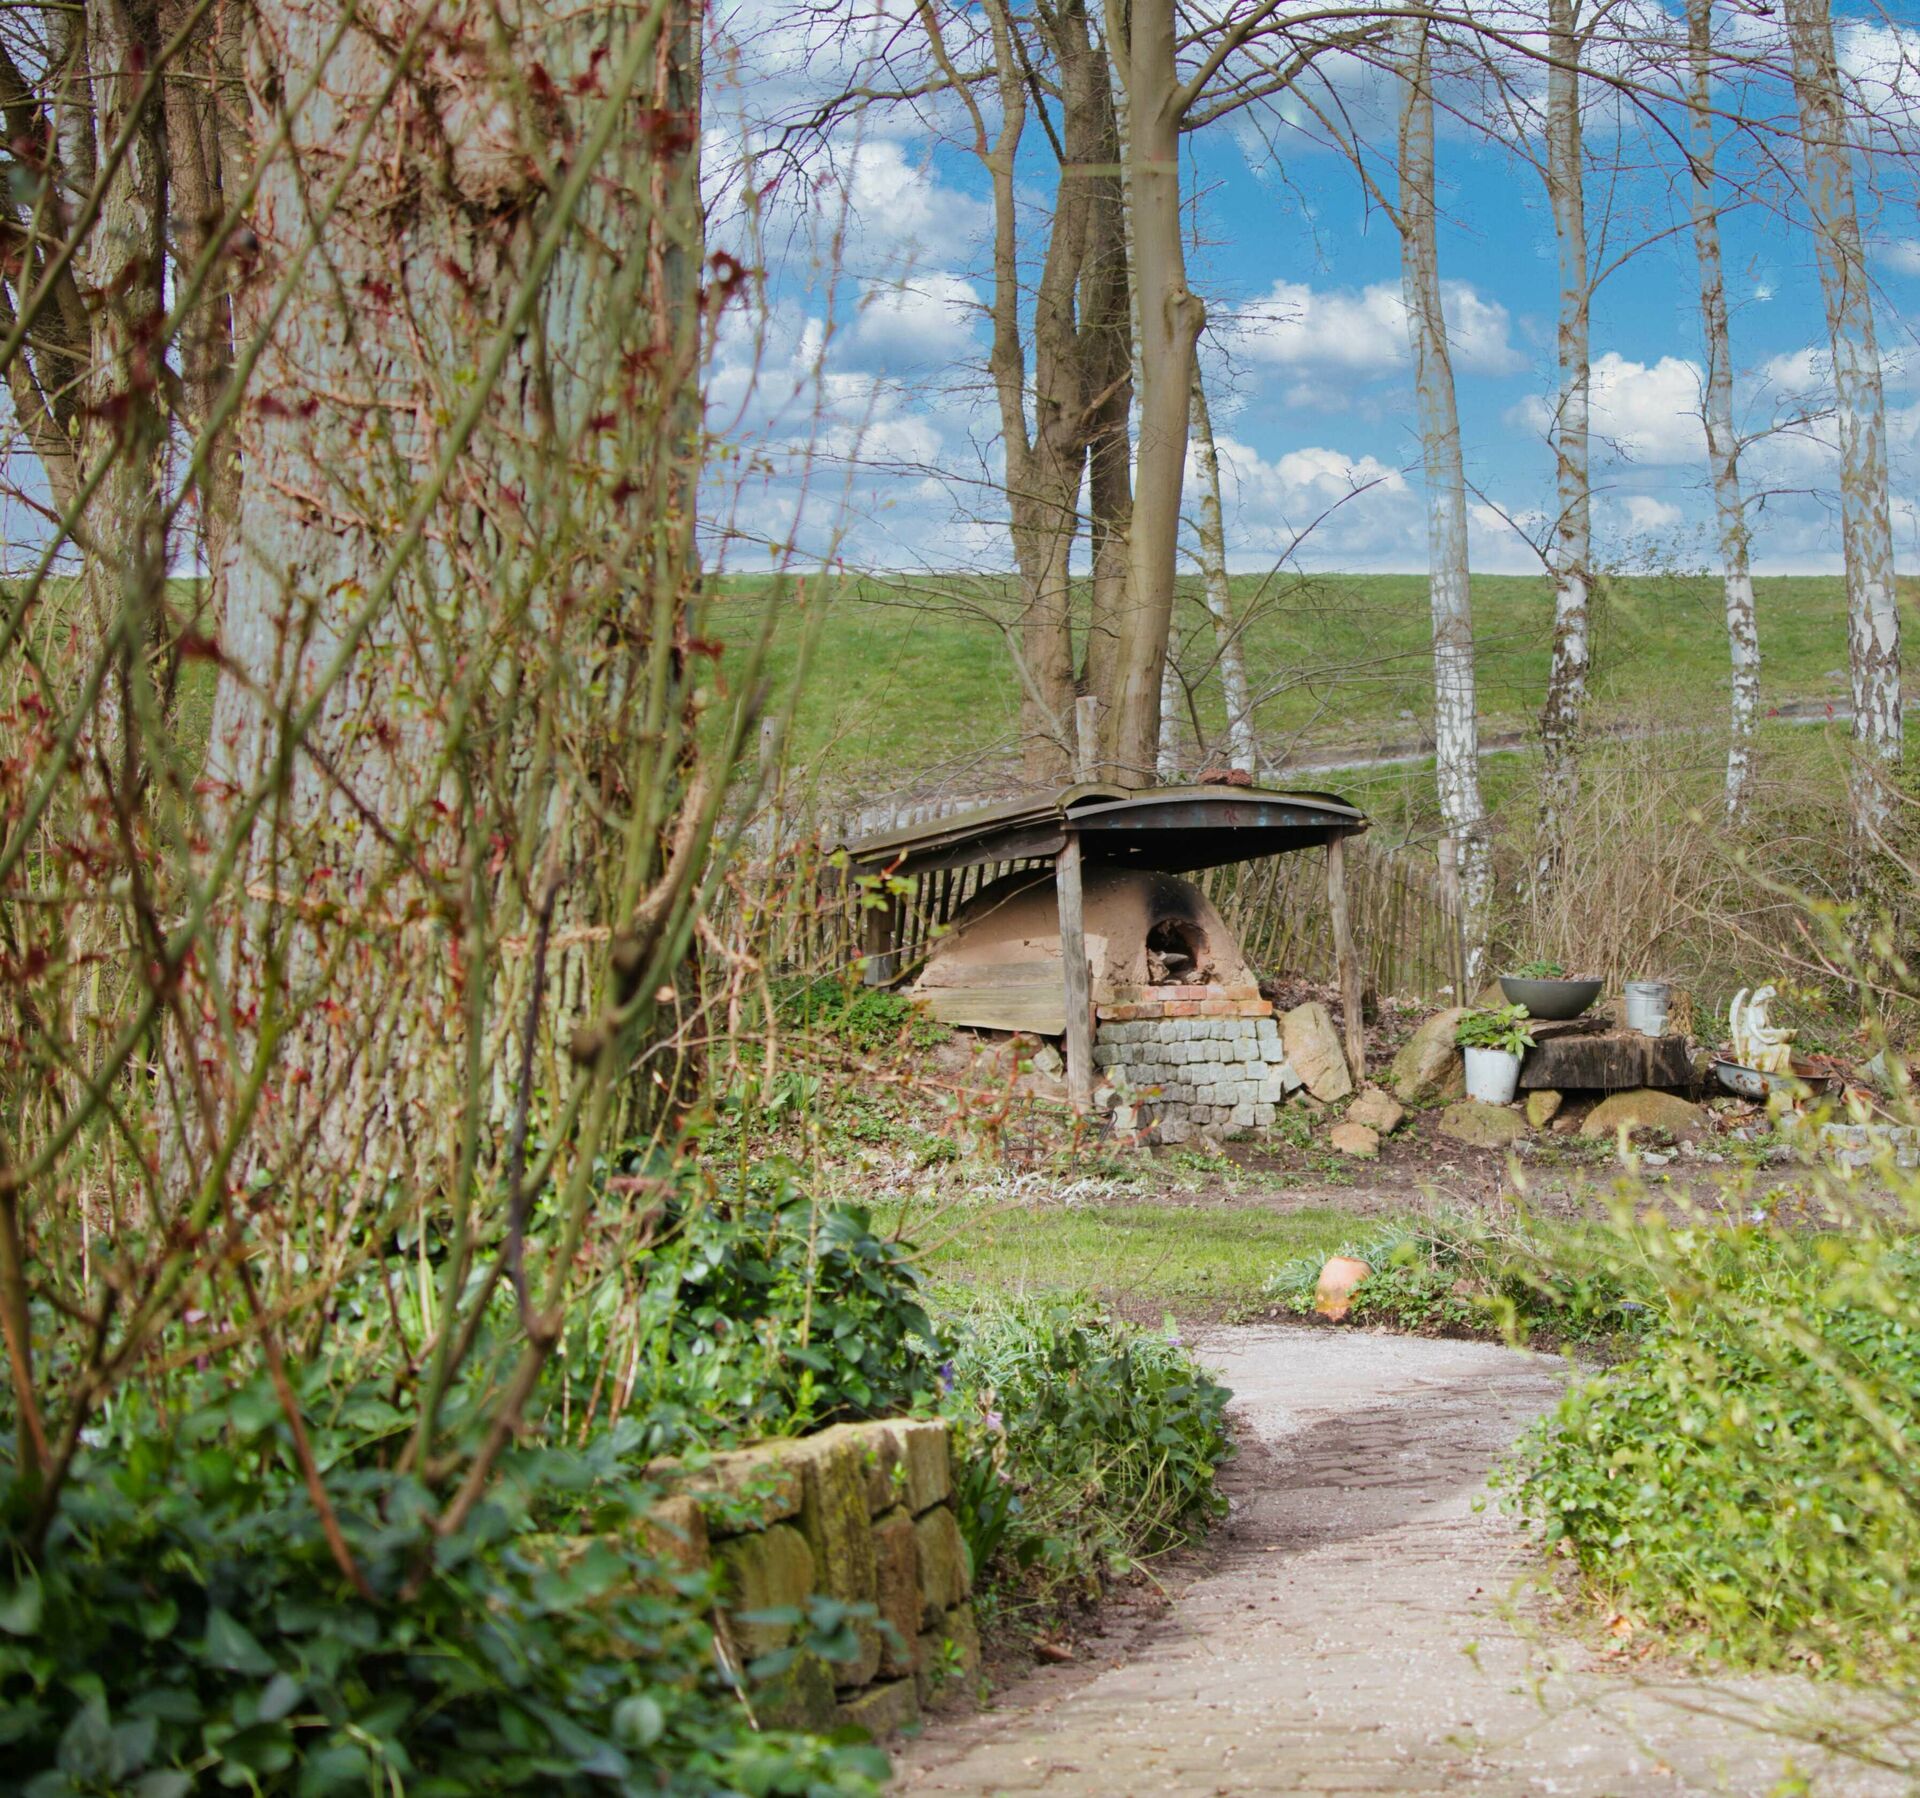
1176 953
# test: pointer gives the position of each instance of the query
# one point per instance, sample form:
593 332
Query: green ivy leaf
21 1608
232 1646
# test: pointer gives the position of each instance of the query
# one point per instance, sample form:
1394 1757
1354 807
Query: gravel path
1361 1625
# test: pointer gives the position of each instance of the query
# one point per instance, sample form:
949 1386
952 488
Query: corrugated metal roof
1173 828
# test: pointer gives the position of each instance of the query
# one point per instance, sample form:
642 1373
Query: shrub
865 1018
186 1627
1085 1442
1746 1481
769 1315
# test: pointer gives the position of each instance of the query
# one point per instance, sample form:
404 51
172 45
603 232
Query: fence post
1456 925
1073 958
1346 963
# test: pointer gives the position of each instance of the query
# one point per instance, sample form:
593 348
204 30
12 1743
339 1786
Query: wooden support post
1346 962
1078 978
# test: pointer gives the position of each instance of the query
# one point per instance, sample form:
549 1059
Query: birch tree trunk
1873 618
1456 724
1171 317
1571 556
1242 751
1723 442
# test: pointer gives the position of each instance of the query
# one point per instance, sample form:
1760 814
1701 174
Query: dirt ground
1364 1623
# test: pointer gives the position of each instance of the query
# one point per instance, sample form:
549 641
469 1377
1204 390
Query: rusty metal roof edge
1080 800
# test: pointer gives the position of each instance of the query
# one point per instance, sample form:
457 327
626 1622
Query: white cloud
1645 513
1903 255
1316 333
925 319
1645 412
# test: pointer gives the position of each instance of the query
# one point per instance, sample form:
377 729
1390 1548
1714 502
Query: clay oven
1069 917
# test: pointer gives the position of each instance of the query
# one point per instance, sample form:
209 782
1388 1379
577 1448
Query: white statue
1765 1047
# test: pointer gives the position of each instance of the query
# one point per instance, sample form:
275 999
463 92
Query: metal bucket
1647 1002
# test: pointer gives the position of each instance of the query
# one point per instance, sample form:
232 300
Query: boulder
1313 1048
1355 1140
1543 1107
1644 1110
1333 1291
1429 1066
1482 1126
1376 1110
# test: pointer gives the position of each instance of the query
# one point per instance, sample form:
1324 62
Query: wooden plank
1077 977
1345 961
1577 1060
1039 1009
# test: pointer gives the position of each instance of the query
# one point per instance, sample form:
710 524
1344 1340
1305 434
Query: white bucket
1492 1075
1647 1002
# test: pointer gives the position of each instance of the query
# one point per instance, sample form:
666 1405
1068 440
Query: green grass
913 672
1181 1256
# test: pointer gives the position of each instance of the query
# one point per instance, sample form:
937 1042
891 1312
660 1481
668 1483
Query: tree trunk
1171 318
453 722
1723 442
1242 752
1045 461
1571 560
1456 725
1106 288
1873 618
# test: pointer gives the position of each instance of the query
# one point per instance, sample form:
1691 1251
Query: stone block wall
862 1513
1181 1059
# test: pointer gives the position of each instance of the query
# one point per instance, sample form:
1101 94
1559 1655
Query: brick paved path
1359 1627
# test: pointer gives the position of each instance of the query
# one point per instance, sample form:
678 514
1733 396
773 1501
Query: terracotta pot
1333 1291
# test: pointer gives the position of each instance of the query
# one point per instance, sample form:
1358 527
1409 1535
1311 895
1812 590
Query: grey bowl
1550 998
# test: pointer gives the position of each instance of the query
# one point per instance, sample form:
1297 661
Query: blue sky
881 364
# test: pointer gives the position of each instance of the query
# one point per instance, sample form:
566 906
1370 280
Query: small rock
1429 1065
1313 1048
1643 1110
1355 1140
1543 1107
1480 1125
1333 1291
1046 1060
1376 1110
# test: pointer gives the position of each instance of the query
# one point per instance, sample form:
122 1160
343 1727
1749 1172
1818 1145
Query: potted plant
1493 1040
1547 991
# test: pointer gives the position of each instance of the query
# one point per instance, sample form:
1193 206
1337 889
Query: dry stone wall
1183 1059
861 1513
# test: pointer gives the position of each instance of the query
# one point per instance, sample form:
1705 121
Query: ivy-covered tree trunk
448 749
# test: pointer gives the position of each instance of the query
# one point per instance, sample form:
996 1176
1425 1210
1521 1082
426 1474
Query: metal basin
1750 1083
1550 998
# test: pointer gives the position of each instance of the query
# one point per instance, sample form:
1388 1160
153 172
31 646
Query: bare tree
1571 556
1723 441
1456 725
1242 750
1873 617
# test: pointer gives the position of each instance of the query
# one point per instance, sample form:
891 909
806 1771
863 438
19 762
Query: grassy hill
911 676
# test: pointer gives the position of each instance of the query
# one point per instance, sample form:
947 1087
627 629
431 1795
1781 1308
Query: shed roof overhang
1174 830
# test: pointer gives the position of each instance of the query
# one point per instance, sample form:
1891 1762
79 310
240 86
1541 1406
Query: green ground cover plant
1744 1482
1090 1444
